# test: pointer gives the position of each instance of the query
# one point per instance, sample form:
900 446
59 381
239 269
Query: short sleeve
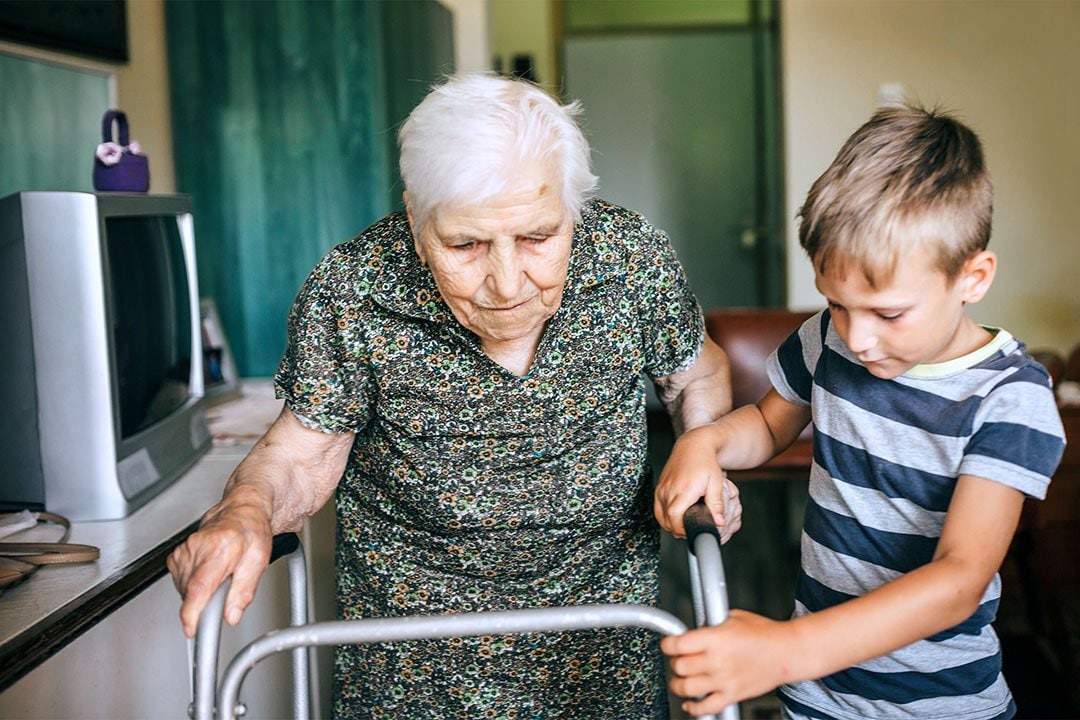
1019 438
673 326
791 366
324 373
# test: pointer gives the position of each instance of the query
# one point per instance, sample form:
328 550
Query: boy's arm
740 440
750 655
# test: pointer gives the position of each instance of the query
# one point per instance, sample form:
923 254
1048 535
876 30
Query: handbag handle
52 553
107 121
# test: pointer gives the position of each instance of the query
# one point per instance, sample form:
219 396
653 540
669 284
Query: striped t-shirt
887 455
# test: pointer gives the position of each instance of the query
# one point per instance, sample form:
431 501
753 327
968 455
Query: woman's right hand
231 540
289 474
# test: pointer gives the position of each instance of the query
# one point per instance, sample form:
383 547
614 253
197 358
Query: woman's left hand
732 509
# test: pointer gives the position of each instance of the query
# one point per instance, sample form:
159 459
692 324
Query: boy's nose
861 337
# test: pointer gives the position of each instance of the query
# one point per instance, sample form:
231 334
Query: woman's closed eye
464 245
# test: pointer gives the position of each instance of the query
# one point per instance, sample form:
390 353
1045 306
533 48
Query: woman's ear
978 275
417 245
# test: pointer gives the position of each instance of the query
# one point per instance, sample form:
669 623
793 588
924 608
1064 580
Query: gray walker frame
708 594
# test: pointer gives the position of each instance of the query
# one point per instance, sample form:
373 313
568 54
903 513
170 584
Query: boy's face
914 318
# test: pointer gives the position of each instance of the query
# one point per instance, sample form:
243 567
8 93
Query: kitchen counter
57 604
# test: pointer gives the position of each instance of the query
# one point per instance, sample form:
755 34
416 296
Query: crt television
99 320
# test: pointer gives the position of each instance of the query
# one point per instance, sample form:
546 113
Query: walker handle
698 520
708 584
205 655
283 544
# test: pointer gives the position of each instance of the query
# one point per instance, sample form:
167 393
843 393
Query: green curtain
280 117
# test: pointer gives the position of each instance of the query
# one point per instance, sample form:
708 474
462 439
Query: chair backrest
748 335
1072 365
1054 363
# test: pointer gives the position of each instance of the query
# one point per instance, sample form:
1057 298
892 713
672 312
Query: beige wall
470 34
142 90
1011 69
524 27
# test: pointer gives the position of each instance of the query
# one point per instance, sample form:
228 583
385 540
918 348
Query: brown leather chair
1072 366
748 335
1054 363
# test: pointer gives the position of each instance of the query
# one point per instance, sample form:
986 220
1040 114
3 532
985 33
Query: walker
212 701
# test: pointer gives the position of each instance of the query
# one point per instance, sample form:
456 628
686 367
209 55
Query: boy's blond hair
907 178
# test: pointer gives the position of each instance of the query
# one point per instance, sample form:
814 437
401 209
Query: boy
929 431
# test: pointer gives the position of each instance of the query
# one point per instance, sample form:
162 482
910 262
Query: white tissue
11 523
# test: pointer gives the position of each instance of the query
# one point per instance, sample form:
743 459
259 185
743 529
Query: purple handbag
119 165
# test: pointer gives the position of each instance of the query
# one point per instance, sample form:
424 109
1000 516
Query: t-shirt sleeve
673 326
791 366
324 375
1019 438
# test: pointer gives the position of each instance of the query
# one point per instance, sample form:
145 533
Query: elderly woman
467 377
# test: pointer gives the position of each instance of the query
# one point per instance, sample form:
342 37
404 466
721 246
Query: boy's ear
978 275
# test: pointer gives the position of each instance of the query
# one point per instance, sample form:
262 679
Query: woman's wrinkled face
501 264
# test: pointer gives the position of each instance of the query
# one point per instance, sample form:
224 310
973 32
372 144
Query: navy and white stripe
887 455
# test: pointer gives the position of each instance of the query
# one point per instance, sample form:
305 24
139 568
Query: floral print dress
470 488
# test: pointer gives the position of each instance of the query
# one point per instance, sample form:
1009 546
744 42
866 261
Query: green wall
281 119
50 125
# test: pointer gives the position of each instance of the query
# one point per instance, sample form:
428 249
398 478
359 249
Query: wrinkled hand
692 473
745 657
235 542
731 513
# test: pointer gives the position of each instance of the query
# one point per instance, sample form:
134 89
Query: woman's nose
506 275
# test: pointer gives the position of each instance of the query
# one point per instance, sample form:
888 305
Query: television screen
104 354
151 318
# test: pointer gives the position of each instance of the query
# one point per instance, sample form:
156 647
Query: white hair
462 143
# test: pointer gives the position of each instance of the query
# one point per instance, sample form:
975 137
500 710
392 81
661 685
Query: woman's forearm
700 394
290 473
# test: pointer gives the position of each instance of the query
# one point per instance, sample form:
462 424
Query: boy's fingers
709 705
689 643
660 511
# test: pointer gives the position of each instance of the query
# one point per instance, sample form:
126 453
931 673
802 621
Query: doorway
684 121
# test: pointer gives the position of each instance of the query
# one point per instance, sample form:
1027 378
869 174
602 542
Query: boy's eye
890 316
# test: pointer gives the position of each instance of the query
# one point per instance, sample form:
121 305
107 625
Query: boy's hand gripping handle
708 586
